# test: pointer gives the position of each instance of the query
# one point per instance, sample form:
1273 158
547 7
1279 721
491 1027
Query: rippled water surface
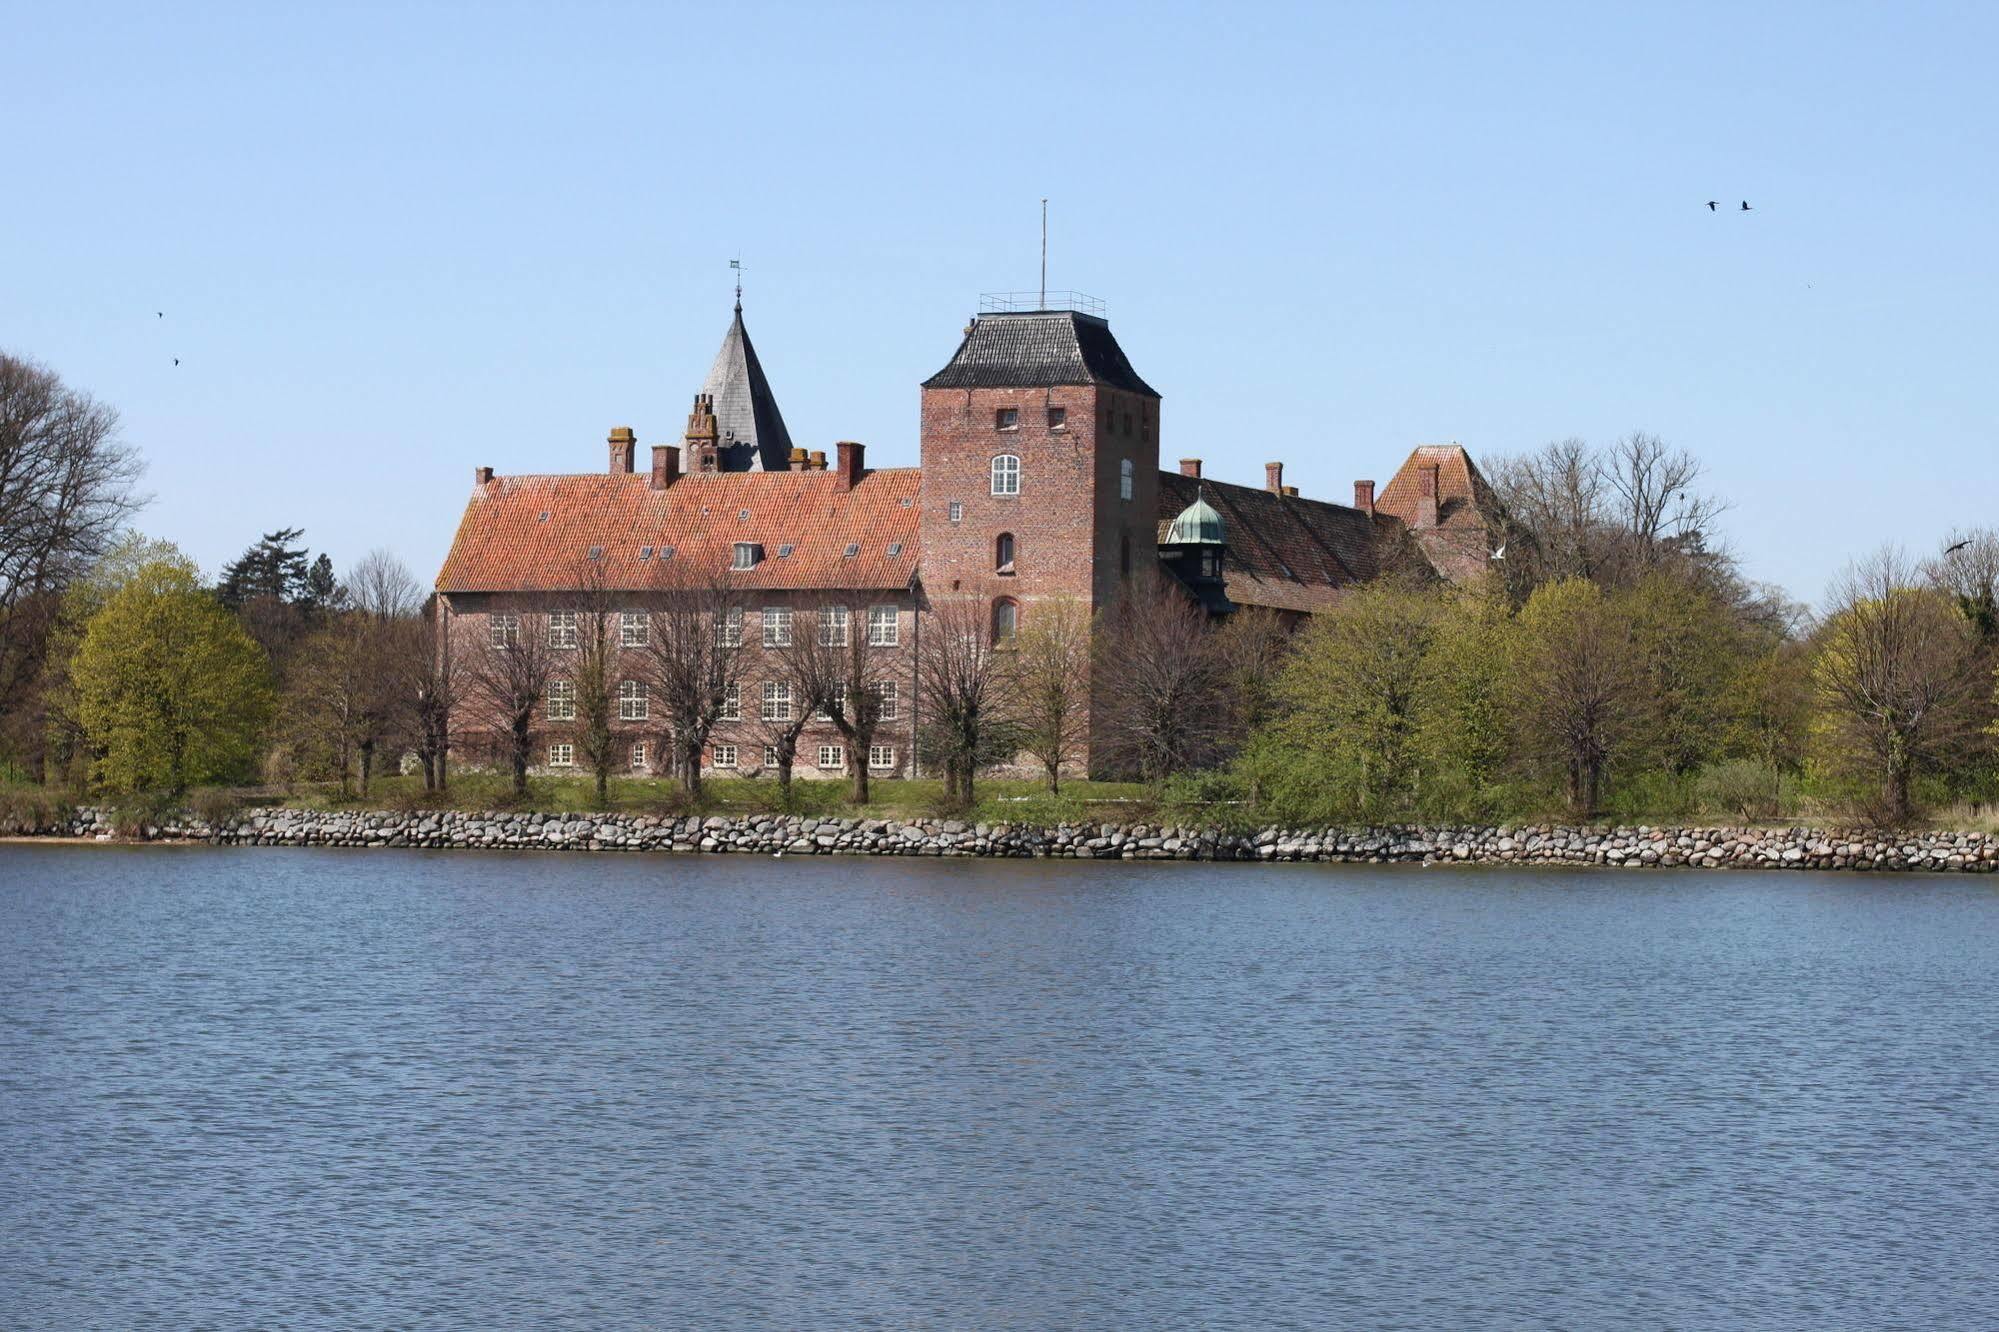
277 1087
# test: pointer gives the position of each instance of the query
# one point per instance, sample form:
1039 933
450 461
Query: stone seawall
772 834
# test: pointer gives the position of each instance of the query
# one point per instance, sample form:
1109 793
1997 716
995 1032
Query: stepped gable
533 533
1039 349
750 428
1285 552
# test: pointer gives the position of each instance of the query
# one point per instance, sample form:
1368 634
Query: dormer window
1003 555
853 549
747 555
894 549
645 552
1006 474
1007 418
784 552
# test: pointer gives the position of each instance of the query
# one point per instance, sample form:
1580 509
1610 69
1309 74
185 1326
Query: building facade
1039 480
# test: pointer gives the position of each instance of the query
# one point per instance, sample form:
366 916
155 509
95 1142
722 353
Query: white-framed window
562 700
777 626
776 701
1007 418
732 703
725 756
503 629
770 756
1006 474
884 626
1124 479
836 703
746 555
639 763
562 756
834 626
562 629
832 756
885 691
881 756
634 629
633 702
957 511
729 627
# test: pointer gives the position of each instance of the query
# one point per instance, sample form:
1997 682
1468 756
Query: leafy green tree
170 691
1691 654
276 567
1344 740
1575 686
1464 731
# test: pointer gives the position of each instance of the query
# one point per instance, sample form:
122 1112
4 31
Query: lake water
373 1088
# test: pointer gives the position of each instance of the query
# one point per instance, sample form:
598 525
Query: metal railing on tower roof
1029 302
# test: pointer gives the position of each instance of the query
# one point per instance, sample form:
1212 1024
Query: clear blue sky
393 244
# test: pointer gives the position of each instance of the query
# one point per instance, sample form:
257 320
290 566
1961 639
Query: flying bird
1712 204
1952 550
1500 554
1745 206
161 313
176 360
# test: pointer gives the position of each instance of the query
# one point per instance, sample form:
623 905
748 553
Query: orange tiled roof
532 533
1469 516
1284 551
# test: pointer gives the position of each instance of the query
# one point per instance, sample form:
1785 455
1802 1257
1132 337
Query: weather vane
737 265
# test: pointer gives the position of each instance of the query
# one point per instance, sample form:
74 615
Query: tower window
1058 418
1006 475
957 511
1003 554
1006 619
1127 423
1124 479
1007 418
1124 554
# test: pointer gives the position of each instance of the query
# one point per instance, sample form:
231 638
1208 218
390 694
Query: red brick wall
472 730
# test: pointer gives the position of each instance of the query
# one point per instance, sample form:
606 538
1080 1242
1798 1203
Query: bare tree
966 687
695 658
1054 662
1159 700
1609 515
1896 675
792 684
848 675
1253 646
425 683
508 677
66 492
1967 571
596 656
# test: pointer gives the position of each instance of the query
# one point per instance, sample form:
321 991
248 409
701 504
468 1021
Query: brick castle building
1039 479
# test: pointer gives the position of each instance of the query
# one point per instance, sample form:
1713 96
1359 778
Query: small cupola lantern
1195 541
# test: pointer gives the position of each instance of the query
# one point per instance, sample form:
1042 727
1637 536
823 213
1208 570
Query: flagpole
1044 254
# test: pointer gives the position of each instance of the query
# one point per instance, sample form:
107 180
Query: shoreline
777 835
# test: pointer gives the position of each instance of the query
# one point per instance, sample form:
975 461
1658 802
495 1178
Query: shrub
134 815
1745 789
213 804
31 809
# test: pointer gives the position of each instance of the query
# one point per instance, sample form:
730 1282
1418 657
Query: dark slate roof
752 433
1039 349
1285 552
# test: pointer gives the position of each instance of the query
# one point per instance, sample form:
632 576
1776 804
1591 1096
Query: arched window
1124 479
1006 619
1006 475
1003 553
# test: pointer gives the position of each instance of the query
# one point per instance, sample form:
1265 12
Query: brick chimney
482 476
797 461
1273 478
702 436
623 445
665 466
850 463
1426 496
1363 497
1190 467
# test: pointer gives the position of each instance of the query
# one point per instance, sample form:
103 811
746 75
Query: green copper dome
1197 525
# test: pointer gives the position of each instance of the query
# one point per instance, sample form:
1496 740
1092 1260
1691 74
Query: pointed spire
753 435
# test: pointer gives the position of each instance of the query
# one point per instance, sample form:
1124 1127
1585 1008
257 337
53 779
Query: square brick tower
1040 466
